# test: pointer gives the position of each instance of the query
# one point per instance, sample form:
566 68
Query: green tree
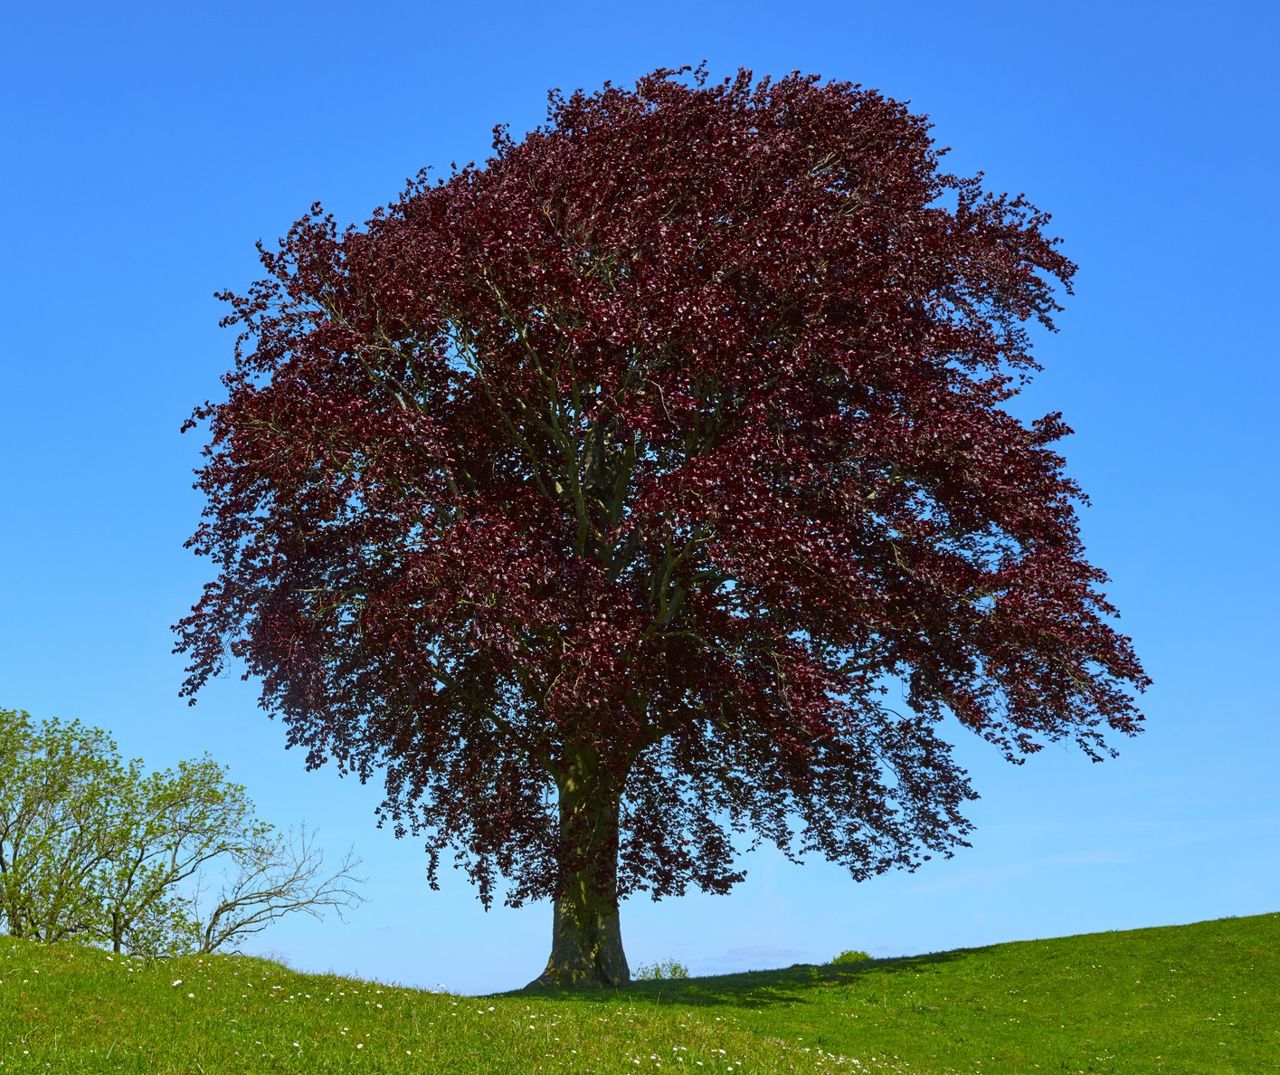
169 825
56 824
95 848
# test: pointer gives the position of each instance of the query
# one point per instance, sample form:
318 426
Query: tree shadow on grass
753 989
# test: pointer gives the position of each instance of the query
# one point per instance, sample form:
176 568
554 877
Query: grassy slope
1203 998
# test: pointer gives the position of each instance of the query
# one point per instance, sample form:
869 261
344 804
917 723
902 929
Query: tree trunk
586 941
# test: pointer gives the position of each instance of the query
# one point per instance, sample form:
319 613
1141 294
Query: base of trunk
586 942
586 949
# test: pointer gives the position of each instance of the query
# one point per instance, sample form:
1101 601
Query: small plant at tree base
659 972
851 956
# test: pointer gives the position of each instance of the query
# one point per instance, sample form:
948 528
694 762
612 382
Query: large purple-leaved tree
594 496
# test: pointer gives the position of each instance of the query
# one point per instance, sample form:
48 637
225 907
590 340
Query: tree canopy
92 848
595 495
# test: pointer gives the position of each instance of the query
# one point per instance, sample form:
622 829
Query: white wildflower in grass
176 982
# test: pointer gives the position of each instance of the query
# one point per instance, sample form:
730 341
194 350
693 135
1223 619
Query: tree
279 874
96 849
598 494
168 827
56 828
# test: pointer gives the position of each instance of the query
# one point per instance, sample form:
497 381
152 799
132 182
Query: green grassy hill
1203 998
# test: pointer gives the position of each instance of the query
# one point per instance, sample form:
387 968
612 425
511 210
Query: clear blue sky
148 146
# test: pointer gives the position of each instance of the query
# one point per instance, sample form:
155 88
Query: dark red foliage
672 435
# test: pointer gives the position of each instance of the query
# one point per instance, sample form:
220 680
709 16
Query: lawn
1201 998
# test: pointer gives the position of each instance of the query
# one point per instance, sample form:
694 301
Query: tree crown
649 452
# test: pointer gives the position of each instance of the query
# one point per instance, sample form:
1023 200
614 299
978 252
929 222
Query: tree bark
586 939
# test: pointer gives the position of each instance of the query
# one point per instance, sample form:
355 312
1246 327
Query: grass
1203 998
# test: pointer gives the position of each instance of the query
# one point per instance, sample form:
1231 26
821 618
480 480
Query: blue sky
147 147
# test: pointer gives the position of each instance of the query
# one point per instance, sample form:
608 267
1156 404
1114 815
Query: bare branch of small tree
283 874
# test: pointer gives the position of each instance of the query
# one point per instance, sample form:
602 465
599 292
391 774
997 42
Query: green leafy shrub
657 972
851 956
